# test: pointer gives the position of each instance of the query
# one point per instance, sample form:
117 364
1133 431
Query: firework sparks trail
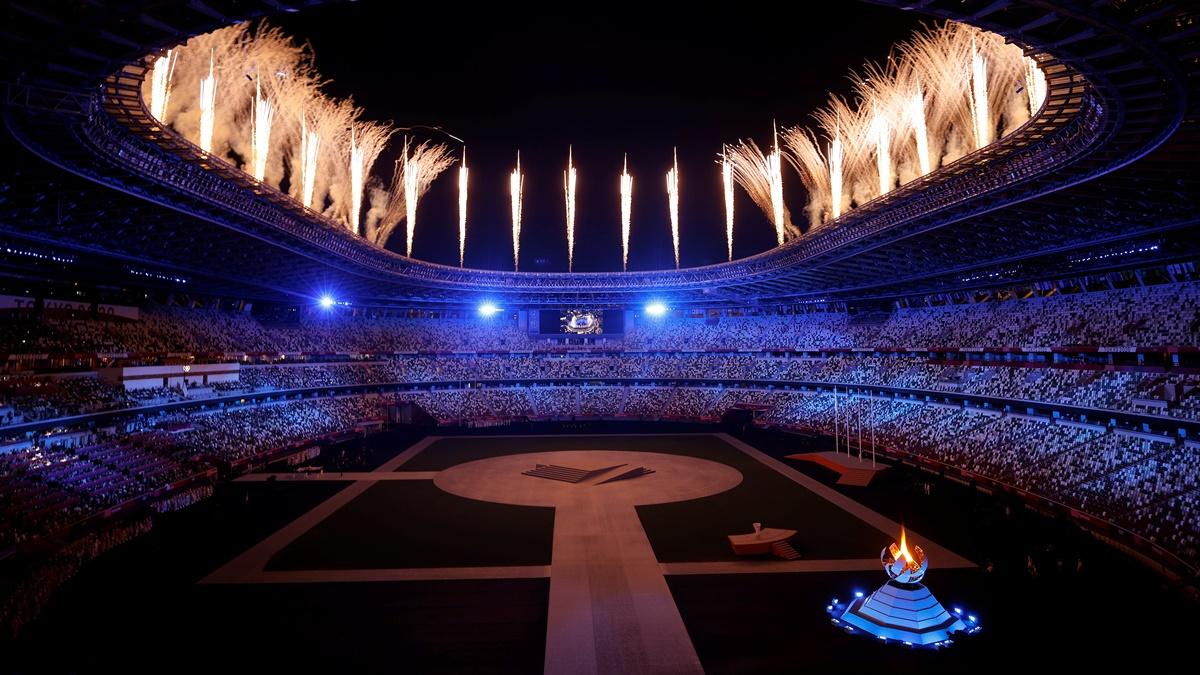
727 188
208 104
980 112
160 84
310 147
357 161
775 177
836 165
569 188
626 189
883 160
260 132
367 140
673 204
412 192
425 162
916 115
462 208
1035 85
945 92
761 176
516 182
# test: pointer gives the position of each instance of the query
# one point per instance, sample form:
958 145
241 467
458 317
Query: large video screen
582 322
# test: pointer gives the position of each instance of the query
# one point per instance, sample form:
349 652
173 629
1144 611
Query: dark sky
607 81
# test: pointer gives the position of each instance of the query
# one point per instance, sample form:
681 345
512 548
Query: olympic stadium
355 337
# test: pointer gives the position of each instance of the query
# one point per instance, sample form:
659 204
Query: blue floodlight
326 301
656 308
488 309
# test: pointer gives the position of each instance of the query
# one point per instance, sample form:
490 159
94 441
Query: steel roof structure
1102 177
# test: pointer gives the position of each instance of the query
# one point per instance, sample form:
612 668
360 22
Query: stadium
353 337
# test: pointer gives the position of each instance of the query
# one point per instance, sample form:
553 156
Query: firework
727 188
626 189
945 92
916 117
356 180
761 176
367 140
412 186
462 208
836 166
848 152
160 84
1035 85
673 204
569 188
775 177
940 95
806 157
980 113
886 91
310 147
390 207
516 182
208 104
260 132
883 159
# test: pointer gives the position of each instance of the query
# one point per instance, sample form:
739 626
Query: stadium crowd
661 370
1151 316
1147 391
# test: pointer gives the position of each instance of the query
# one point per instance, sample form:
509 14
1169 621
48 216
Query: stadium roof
1102 178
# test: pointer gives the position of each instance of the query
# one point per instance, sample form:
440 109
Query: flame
903 552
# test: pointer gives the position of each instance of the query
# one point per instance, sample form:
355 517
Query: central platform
503 479
906 612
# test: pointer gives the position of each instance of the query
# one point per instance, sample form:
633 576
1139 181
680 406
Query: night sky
618 81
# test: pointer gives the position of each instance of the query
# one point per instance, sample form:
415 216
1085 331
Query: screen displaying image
580 322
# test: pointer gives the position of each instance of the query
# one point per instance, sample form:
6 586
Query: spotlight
488 309
326 301
656 308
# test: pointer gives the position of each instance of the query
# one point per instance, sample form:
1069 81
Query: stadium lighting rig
656 309
488 309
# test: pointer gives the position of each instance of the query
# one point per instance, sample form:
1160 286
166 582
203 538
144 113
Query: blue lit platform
904 612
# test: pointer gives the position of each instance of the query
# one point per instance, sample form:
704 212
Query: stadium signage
16 302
